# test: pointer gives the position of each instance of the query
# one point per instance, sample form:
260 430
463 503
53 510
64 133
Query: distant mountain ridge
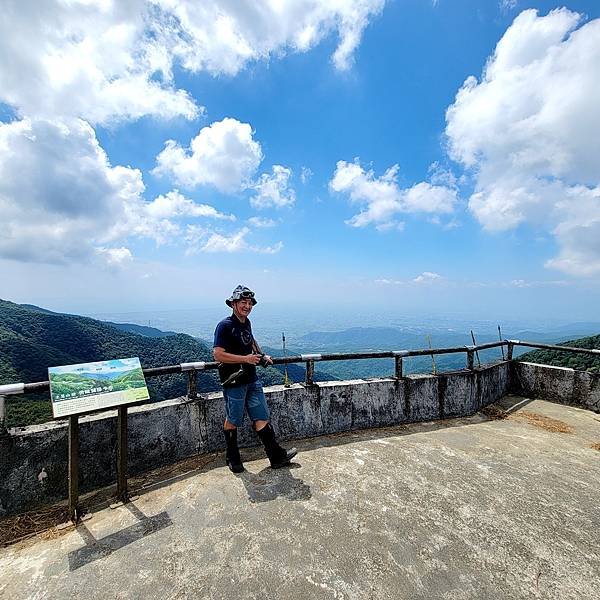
144 330
397 338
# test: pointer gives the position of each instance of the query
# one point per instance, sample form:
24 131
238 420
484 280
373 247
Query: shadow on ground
264 486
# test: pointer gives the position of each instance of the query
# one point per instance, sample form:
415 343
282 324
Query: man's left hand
268 360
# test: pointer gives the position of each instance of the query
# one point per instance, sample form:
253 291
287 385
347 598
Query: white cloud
274 190
382 198
261 223
174 204
224 155
159 218
530 131
427 277
61 200
83 59
59 195
106 60
427 198
116 257
223 243
222 37
204 240
305 175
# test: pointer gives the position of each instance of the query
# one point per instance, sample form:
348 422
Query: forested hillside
32 339
582 362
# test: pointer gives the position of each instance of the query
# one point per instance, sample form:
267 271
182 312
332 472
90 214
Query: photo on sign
93 386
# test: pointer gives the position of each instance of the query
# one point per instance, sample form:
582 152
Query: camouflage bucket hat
241 291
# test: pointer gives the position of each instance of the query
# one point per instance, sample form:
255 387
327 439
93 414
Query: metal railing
192 368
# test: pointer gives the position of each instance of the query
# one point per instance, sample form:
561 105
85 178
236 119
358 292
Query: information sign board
76 389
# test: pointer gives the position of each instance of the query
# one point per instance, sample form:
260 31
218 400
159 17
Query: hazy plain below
346 329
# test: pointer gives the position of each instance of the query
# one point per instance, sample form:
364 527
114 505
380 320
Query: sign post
74 468
122 495
90 387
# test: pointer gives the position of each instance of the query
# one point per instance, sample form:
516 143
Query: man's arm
226 357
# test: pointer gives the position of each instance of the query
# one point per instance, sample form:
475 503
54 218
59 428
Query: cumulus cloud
204 240
382 198
61 199
70 65
174 204
116 257
274 190
224 155
58 191
91 60
529 131
102 61
222 37
427 277
159 219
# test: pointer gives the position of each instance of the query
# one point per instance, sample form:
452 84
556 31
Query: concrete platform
464 508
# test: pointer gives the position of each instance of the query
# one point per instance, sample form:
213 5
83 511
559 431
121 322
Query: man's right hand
253 359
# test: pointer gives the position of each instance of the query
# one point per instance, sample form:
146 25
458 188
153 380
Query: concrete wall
33 460
558 384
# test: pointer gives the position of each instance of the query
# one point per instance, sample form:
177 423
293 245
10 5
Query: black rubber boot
232 456
278 456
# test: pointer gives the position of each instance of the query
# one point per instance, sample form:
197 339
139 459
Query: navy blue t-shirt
235 337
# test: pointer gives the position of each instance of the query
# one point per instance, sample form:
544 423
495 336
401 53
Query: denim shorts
251 396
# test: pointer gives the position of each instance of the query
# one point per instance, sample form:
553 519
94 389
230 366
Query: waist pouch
227 370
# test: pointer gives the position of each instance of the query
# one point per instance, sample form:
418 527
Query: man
238 352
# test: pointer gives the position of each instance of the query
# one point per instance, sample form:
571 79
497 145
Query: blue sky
317 152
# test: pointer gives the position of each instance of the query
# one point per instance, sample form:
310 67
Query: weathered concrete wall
33 460
559 384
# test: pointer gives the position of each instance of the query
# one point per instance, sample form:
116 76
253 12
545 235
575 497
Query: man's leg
234 411
259 413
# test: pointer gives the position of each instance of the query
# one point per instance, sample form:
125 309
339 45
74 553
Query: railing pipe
555 347
309 359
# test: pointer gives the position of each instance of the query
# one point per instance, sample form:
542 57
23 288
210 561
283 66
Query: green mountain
140 329
33 339
581 362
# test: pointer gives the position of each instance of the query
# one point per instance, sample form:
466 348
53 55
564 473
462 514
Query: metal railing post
192 388
192 369
3 430
122 492
310 372
310 366
509 351
470 359
398 367
398 364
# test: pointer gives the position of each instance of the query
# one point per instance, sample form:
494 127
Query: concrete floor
466 508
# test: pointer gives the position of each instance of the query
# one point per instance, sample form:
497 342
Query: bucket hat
241 291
